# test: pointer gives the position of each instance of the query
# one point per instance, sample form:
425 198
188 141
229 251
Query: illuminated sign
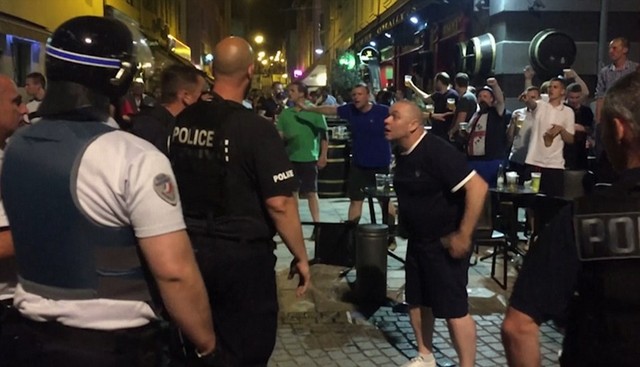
348 60
367 54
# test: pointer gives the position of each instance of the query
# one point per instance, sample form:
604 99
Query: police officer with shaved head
586 263
237 184
96 220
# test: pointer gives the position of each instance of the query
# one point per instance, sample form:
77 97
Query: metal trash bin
371 262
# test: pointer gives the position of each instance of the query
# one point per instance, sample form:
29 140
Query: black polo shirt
441 128
154 124
428 182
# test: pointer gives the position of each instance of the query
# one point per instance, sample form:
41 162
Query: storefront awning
316 74
22 28
395 15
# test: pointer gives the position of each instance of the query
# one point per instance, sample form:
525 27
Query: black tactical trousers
27 343
240 281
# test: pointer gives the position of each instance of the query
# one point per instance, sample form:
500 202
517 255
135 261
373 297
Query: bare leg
355 210
314 206
463 336
422 324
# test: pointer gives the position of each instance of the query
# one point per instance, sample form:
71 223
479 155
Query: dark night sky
273 18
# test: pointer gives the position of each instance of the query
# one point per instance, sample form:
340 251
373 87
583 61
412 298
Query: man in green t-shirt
305 137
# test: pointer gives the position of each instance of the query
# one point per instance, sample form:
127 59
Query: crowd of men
137 234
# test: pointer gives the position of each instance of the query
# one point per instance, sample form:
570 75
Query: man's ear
250 71
620 127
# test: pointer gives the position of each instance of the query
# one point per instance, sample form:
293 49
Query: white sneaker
419 362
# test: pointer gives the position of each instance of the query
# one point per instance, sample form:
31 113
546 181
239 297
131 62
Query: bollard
371 262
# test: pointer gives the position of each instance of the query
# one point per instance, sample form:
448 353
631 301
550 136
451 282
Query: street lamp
259 39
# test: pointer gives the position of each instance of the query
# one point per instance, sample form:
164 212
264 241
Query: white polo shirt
545 115
115 187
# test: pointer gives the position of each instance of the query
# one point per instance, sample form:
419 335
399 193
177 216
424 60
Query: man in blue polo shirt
371 151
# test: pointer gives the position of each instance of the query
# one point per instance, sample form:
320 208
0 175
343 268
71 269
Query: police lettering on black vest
608 236
193 136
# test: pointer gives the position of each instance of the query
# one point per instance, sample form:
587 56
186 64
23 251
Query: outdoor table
520 197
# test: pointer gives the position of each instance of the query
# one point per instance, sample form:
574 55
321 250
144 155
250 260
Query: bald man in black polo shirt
440 201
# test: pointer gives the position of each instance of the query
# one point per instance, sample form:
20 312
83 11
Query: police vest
201 153
61 253
604 319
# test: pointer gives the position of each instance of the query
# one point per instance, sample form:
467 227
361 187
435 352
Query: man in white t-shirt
553 127
12 111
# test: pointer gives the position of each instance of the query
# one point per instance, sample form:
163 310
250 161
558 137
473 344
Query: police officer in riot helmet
585 267
236 183
96 221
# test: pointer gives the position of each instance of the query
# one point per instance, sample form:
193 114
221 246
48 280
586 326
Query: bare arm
173 265
520 339
528 76
324 110
459 242
425 96
599 104
499 95
476 191
571 74
324 148
6 244
284 212
566 136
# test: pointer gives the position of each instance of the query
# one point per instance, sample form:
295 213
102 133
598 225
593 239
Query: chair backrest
545 208
484 227
574 183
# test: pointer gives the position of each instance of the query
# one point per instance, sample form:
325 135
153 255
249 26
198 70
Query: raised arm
324 110
409 84
571 74
174 268
499 95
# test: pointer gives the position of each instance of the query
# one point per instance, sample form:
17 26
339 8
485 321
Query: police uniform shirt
122 180
549 274
428 179
7 266
255 162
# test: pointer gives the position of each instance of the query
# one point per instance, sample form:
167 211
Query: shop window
21 57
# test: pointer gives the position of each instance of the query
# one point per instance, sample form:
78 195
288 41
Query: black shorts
240 280
551 180
435 279
307 174
361 177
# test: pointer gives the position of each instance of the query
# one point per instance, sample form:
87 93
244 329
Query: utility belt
207 228
138 337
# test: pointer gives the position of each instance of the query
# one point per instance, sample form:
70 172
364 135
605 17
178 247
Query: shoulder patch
164 186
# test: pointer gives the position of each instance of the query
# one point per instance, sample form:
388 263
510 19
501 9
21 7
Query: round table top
374 192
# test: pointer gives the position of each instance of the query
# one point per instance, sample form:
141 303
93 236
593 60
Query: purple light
297 73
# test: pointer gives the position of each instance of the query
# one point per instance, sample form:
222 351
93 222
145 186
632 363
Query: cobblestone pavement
328 328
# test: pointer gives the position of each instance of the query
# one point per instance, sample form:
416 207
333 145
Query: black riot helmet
98 53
